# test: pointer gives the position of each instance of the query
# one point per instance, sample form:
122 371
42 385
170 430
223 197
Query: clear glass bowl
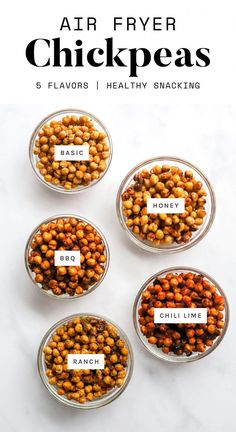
31 273
171 357
96 403
58 116
209 206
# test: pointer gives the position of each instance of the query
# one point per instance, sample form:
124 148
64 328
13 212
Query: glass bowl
31 273
209 206
171 357
96 403
58 116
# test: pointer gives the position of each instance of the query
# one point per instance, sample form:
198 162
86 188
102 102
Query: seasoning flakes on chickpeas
86 335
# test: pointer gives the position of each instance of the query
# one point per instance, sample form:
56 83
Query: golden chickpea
136 209
128 204
188 186
38 260
59 369
168 239
190 220
85 339
47 237
162 216
91 262
153 179
79 328
72 271
87 178
168 220
113 358
159 234
45 265
39 278
107 349
152 227
68 185
61 270
107 380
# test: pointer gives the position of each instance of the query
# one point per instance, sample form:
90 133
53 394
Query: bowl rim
27 250
34 135
100 401
181 359
181 247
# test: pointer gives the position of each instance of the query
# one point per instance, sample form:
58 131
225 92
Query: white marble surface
197 397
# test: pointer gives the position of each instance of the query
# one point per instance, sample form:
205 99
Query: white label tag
165 205
66 258
180 315
71 152
85 361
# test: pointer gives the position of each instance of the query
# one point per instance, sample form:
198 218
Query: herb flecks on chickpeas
67 234
76 131
164 182
182 290
86 335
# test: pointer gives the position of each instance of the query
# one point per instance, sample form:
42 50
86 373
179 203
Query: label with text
86 361
66 258
165 205
180 315
71 152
